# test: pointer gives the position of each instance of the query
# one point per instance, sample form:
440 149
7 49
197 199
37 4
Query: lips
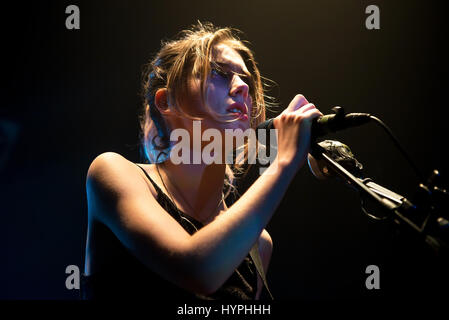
238 109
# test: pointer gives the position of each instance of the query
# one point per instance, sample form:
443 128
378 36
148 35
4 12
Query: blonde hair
177 60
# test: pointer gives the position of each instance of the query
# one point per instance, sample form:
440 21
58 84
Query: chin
221 126
243 125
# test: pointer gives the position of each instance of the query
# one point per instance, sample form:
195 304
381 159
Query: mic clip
338 119
339 112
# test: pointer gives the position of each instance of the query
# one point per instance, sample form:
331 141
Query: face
227 92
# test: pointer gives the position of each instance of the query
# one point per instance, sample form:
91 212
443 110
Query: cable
398 145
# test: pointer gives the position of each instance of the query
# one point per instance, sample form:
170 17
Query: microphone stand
397 207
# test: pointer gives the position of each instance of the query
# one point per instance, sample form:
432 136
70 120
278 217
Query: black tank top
128 278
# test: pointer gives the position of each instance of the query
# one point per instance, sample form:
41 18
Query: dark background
73 94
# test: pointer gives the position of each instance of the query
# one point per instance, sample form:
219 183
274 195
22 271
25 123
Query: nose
238 86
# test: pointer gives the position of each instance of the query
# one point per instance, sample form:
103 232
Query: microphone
339 121
330 123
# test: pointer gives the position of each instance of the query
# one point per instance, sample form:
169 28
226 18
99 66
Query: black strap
254 252
158 190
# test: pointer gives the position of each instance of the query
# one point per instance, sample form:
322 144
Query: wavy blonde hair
190 54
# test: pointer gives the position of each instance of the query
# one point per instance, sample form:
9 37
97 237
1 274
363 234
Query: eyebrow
231 67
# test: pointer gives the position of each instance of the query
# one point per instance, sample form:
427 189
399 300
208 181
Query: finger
306 107
298 101
311 114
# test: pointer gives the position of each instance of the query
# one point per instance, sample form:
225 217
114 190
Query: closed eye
219 72
244 77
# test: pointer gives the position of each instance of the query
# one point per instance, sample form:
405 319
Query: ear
161 101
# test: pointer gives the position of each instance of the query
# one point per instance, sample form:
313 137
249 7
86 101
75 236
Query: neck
197 187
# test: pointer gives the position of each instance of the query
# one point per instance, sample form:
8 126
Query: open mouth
238 110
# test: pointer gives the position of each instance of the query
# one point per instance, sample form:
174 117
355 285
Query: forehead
224 54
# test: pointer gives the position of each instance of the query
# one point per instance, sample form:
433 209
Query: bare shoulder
112 177
107 163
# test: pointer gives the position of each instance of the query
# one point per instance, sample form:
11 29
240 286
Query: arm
118 196
265 251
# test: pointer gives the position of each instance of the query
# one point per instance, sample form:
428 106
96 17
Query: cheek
250 105
215 97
